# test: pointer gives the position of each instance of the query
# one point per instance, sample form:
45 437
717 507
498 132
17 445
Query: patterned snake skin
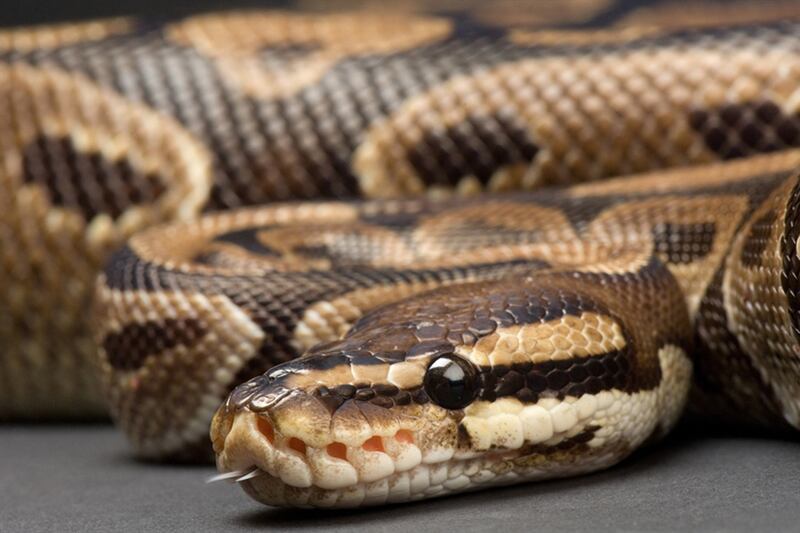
474 337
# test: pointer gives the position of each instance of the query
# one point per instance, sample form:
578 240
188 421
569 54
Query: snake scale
352 345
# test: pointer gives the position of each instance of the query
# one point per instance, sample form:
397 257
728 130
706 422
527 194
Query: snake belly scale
367 348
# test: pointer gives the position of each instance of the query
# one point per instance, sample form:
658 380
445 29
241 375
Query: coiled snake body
447 343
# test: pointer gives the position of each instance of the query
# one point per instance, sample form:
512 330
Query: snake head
463 387
346 425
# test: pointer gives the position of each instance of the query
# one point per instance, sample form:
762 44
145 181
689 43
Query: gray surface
83 479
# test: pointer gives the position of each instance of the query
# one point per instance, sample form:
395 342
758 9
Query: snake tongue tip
232 475
250 475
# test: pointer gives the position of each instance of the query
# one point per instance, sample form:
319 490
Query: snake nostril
337 450
373 444
297 445
267 430
404 435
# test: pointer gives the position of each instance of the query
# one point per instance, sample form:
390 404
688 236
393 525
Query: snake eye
451 382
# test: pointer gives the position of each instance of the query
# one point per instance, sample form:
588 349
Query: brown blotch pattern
479 146
87 181
757 239
683 243
128 348
738 130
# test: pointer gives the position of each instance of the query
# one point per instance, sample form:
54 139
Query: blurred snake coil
401 253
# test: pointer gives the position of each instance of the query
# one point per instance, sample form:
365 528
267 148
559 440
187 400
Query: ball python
381 349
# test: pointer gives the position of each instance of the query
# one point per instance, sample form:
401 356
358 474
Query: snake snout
280 441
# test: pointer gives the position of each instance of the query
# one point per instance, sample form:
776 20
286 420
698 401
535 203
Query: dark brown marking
572 443
477 147
757 239
738 130
683 243
569 377
128 348
87 182
247 239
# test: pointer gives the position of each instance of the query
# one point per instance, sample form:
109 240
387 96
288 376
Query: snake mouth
287 472
280 470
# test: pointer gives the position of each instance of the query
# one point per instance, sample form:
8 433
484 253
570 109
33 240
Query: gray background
83 478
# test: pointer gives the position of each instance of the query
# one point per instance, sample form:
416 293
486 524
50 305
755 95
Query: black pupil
449 382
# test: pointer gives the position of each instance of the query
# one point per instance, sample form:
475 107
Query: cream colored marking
405 455
344 373
371 466
45 37
407 374
564 338
175 245
506 430
694 177
235 39
356 243
537 424
582 37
